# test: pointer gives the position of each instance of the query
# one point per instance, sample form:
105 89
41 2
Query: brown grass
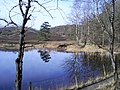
71 46
87 48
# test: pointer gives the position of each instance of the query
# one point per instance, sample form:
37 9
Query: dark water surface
59 71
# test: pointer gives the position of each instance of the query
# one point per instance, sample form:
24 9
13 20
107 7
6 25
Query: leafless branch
4 20
103 26
104 48
59 9
20 6
107 11
46 2
33 10
8 23
44 8
100 46
12 22
11 11
31 14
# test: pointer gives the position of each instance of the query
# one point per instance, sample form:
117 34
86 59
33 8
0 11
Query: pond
58 72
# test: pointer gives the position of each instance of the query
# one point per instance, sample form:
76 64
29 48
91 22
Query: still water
60 70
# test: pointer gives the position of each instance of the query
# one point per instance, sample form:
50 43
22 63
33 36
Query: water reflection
98 61
72 67
81 67
77 67
44 54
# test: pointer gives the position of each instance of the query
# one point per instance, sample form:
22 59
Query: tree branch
20 6
12 22
4 20
44 8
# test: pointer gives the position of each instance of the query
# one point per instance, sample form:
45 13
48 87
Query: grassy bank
98 83
69 46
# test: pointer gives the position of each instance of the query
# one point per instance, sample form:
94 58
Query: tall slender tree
109 28
75 18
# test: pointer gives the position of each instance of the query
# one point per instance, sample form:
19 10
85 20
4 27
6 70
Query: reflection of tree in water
45 56
72 67
85 66
97 62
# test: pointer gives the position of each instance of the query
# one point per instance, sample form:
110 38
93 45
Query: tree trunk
111 34
112 45
103 39
88 32
18 76
77 35
19 60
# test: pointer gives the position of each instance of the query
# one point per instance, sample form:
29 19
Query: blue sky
59 15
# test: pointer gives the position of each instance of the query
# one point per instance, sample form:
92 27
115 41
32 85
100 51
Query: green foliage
41 36
44 31
45 27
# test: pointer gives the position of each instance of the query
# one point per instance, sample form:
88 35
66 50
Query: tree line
97 22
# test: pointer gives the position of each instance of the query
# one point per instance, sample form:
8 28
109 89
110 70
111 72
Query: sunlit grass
104 86
92 81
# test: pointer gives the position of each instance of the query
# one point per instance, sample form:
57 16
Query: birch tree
109 28
75 18
80 17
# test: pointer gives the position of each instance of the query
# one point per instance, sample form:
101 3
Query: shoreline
54 45
67 46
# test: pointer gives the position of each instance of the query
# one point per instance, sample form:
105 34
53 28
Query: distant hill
64 31
11 34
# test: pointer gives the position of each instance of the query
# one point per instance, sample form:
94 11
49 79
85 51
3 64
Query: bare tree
75 18
87 8
80 16
26 8
109 28
19 60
